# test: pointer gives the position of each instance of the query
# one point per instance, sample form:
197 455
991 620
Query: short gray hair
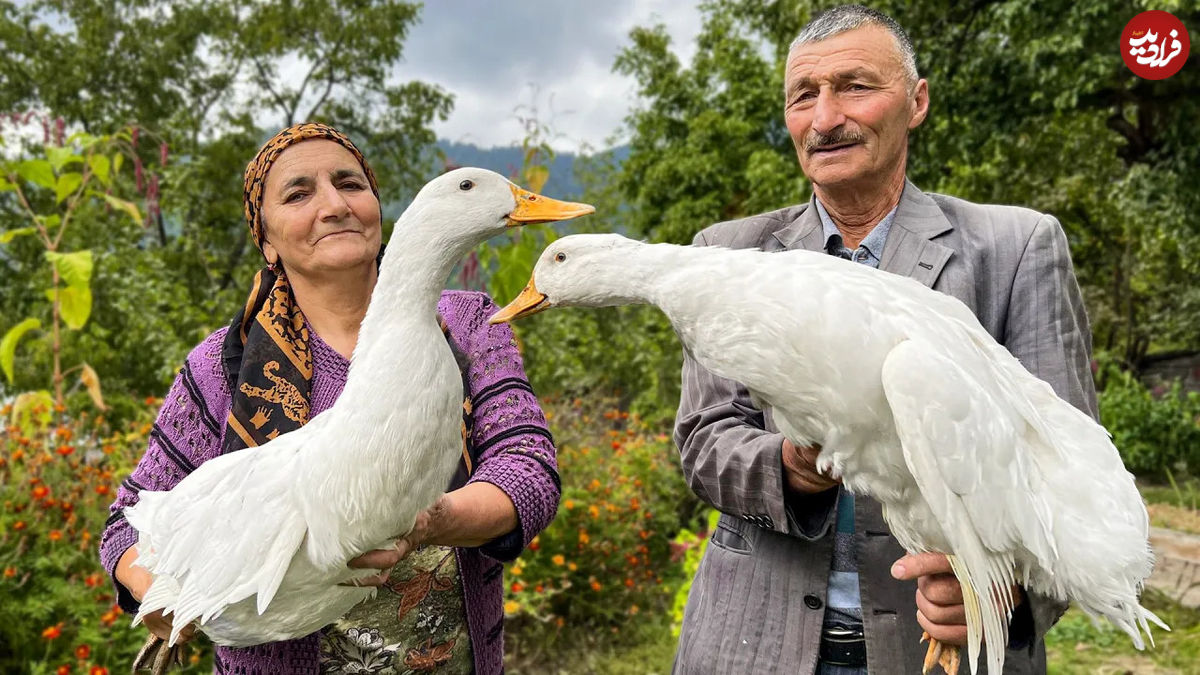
848 17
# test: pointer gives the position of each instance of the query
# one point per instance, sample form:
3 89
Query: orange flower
10 572
635 504
569 504
63 432
40 491
18 454
82 652
55 535
593 511
511 607
108 618
65 450
92 580
535 544
644 534
52 632
558 559
539 588
150 400
616 445
572 566
63 670
102 490
517 587
98 670
634 609
628 582
19 525
558 621
596 586
583 537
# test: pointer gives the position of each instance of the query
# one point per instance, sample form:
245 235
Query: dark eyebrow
864 74
299 181
346 173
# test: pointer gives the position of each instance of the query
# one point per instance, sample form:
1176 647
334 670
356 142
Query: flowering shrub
607 556
59 471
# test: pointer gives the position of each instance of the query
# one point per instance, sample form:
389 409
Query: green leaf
127 207
74 304
60 157
49 222
75 269
67 184
117 160
5 186
38 172
32 410
9 235
100 167
8 345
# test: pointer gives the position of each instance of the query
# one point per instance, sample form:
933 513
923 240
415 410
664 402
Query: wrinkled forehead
866 51
309 160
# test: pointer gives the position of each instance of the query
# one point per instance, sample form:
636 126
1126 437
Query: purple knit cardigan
509 432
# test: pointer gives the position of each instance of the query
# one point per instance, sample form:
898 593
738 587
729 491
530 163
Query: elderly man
800 576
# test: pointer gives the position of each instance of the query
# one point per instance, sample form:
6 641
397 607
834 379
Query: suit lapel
909 250
802 233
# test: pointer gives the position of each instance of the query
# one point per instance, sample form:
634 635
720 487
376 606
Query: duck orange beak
534 208
528 302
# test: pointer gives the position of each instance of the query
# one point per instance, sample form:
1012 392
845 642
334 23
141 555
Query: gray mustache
819 140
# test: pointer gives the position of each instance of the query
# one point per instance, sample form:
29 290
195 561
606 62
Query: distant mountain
507 161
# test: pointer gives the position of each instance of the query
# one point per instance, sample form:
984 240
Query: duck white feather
254 544
913 403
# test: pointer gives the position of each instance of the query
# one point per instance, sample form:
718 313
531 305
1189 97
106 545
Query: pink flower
133 136
162 153
60 126
137 167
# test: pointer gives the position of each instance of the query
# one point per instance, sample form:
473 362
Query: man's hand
800 469
137 581
940 609
385 559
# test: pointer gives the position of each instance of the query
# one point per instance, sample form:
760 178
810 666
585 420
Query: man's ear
920 104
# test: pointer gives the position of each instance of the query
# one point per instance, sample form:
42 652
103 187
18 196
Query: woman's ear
269 252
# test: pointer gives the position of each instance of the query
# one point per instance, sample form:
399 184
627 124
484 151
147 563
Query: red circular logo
1155 44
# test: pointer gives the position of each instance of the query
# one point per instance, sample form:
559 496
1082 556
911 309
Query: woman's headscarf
266 354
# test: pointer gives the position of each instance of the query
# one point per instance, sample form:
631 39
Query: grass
1075 646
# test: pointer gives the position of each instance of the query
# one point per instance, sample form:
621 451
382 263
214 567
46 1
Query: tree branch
265 81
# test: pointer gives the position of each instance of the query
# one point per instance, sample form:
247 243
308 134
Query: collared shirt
869 251
843 599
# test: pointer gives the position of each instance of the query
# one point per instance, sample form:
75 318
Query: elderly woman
313 209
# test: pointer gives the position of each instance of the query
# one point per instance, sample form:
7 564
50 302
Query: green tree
1024 111
205 82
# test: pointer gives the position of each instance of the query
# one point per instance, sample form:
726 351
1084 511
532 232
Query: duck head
580 270
466 206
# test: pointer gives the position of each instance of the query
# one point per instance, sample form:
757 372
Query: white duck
969 453
254 544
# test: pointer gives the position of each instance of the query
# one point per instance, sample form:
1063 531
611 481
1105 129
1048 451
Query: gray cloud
555 56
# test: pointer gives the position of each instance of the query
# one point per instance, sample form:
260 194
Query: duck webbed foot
156 657
947 656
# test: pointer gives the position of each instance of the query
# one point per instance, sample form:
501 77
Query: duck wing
228 531
976 461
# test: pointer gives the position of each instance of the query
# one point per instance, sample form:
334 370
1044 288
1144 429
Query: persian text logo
1155 45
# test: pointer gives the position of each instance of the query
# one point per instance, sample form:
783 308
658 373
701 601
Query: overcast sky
490 55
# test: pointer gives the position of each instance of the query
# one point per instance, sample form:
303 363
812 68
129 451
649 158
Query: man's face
848 108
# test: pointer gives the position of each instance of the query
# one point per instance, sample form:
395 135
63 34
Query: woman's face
318 211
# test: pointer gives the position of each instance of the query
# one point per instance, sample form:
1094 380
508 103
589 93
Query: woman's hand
469 516
386 558
137 581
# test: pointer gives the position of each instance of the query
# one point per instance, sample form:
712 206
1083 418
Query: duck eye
466 185
560 256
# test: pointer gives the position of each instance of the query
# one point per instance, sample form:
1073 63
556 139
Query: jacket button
812 602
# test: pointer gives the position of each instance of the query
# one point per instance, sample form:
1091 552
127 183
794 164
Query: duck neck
411 279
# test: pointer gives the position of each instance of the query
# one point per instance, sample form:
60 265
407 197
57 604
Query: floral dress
416 623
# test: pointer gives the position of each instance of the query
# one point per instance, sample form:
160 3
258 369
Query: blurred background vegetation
122 244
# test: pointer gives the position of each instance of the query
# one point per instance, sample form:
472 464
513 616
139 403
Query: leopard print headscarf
266 355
